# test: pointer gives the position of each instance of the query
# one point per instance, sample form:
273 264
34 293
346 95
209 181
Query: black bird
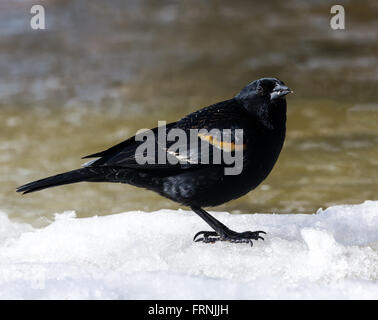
259 110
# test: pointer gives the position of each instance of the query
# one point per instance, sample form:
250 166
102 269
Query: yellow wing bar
222 145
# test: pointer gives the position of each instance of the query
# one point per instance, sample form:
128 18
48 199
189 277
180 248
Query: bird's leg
221 232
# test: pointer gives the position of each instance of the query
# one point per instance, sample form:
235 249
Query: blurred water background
104 69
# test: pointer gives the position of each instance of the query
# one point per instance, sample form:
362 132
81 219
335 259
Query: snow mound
138 255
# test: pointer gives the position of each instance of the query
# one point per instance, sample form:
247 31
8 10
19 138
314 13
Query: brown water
103 70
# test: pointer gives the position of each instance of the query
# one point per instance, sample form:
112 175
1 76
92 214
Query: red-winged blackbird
259 110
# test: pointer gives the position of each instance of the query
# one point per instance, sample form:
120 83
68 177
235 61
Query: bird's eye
260 90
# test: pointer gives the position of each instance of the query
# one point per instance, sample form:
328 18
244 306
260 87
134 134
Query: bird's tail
83 174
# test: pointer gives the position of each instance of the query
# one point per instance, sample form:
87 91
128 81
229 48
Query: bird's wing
203 128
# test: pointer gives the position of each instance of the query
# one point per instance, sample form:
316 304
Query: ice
138 255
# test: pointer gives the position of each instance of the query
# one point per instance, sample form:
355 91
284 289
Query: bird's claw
231 236
208 236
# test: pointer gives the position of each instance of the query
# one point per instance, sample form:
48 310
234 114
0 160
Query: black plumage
259 110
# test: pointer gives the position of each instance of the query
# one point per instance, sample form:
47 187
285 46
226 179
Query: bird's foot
228 235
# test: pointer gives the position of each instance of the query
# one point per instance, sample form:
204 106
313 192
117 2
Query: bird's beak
280 91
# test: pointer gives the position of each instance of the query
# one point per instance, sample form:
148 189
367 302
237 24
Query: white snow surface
332 254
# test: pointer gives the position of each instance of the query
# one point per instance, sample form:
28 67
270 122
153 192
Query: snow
138 255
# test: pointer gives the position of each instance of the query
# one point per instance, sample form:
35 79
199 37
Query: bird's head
265 98
264 90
